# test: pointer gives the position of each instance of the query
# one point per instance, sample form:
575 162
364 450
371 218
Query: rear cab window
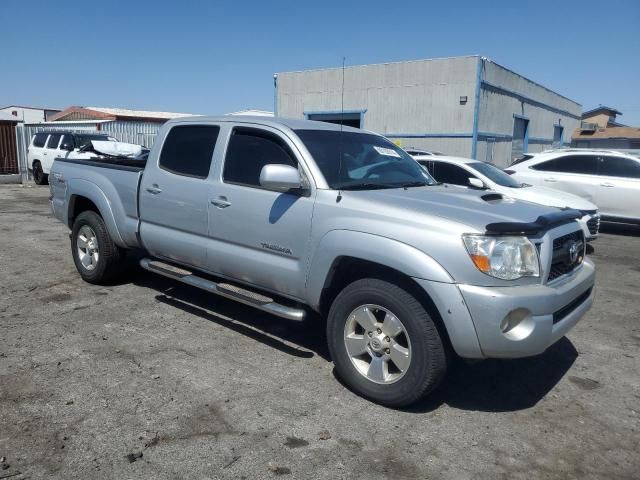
188 150
249 150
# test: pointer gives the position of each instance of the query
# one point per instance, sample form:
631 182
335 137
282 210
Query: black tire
39 177
111 258
428 363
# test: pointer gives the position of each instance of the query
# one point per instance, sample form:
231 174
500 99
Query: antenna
341 125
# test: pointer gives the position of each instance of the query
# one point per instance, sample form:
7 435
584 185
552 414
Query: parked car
46 146
291 216
468 173
607 178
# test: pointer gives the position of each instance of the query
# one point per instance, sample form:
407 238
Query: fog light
518 324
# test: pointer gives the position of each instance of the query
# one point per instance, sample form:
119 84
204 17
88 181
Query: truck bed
110 183
120 163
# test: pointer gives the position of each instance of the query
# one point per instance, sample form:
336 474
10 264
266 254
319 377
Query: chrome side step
232 292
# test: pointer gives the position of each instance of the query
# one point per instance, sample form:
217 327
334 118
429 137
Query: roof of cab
276 122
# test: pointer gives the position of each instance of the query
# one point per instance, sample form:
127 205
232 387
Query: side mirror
477 183
66 146
280 178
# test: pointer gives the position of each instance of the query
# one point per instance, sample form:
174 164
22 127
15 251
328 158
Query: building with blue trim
465 106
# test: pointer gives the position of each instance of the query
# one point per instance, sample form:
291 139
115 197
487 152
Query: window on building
583 164
618 167
188 150
54 140
40 139
249 150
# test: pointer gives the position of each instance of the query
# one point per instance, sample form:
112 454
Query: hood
548 196
466 207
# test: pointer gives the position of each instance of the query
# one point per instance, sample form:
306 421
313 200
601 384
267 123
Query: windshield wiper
365 186
414 184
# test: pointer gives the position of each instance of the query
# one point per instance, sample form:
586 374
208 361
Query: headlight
507 258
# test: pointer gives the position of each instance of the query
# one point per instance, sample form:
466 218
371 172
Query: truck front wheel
384 343
97 258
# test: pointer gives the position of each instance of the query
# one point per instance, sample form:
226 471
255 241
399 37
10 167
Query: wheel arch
87 196
343 257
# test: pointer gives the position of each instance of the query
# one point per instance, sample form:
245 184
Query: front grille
567 309
594 225
561 262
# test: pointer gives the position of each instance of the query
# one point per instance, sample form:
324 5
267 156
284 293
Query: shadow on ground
490 385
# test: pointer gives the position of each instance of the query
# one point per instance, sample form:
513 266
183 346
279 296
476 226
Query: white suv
607 178
47 146
468 173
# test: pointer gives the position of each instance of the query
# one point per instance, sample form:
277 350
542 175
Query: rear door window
188 150
40 139
54 140
249 150
618 167
581 164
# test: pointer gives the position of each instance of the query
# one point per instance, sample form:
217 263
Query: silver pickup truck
293 216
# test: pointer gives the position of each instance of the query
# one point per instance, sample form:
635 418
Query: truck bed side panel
113 190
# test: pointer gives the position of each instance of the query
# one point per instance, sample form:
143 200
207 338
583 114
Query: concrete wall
504 94
418 97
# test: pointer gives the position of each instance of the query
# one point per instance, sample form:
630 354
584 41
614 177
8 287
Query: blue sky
216 57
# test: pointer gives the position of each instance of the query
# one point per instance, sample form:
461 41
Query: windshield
82 140
362 161
494 174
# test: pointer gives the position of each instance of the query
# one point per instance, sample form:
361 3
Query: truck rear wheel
96 257
384 343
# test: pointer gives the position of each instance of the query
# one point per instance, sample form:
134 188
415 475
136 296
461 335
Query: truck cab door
257 236
174 195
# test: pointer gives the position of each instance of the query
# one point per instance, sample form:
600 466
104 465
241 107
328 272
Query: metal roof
123 112
601 108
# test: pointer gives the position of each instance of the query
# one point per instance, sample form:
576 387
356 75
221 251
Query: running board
232 292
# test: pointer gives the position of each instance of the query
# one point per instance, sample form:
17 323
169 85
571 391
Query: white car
468 173
607 178
47 146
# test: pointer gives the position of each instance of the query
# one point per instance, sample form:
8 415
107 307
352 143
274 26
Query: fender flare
374 248
82 188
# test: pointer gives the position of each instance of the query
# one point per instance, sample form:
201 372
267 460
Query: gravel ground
149 379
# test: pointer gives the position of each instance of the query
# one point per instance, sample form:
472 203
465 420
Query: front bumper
546 313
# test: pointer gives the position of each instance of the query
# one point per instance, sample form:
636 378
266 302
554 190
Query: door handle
153 189
607 184
221 202
550 179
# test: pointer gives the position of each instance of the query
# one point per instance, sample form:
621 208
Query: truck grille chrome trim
568 254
